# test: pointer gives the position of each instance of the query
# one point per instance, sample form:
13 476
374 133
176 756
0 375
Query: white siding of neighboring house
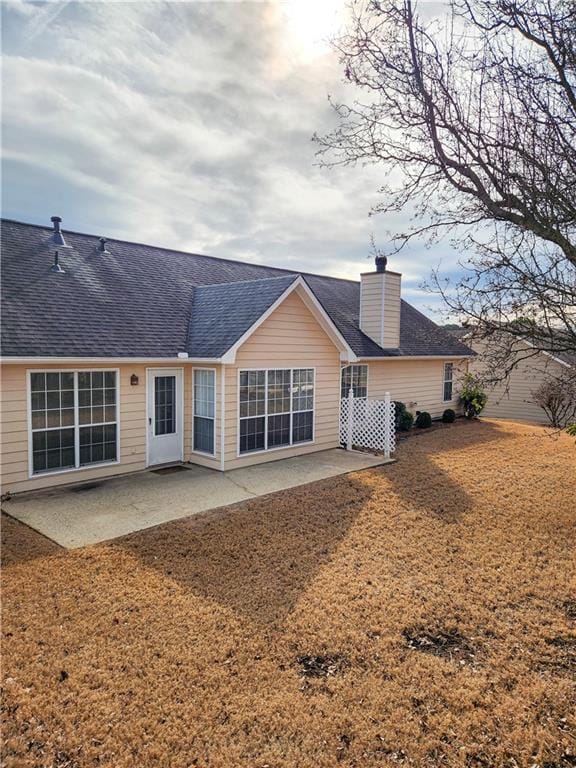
513 399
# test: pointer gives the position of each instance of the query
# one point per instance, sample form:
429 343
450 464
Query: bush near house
557 398
404 419
472 396
423 420
449 416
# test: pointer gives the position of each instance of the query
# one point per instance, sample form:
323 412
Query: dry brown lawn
420 614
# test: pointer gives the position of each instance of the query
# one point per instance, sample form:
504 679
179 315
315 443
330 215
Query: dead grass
421 614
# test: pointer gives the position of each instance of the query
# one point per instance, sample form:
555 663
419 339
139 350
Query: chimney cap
381 262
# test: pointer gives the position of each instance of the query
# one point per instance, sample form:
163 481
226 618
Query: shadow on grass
256 557
427 486
21 543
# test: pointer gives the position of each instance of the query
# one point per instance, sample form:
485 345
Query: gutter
416 357
106 360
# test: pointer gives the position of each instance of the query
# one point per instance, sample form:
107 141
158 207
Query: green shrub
403 418
472 396
399 410
448 416
423 420
406 422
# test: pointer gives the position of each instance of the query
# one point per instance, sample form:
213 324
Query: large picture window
276 408
204 391
73 418
355 378
448 381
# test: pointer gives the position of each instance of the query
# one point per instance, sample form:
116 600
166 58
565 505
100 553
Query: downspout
222 415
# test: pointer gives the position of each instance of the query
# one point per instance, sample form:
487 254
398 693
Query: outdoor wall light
133 380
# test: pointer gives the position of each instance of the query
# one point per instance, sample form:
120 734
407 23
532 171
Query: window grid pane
252 435
279 391
53 418
204 393
448 379
203 409
97 444
252 393
354 377
164 405
275 408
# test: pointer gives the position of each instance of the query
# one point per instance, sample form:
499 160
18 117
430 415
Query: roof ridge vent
102 249
56 239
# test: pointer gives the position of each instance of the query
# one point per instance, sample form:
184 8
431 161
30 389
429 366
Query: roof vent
102 247
56 266
381 262
56 239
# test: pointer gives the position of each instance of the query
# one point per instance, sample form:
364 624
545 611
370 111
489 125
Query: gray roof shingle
144 301
214 328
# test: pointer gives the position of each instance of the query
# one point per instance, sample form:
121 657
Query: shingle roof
144 301
214 328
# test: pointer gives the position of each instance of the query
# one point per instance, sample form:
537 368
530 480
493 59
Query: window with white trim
276 408
73 419
204 399
448 381
355 378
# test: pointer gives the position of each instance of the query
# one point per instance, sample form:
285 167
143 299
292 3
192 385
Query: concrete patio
81 515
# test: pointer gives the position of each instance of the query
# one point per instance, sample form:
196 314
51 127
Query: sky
188 125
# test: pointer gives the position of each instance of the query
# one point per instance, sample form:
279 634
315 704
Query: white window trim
240 455
192 449
445 381
34 475
352 365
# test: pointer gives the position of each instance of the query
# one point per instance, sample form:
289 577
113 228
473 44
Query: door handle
150 420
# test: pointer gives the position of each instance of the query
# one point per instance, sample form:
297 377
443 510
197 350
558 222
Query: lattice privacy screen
368 423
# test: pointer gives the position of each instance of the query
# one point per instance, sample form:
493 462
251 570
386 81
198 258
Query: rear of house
118 356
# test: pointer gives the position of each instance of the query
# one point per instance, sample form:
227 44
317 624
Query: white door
165 422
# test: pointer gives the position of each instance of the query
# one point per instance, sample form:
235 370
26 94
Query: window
164 405
73 417
204 389
354 377
276 408
448 380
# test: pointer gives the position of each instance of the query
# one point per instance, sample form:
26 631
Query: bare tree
472 116
557 398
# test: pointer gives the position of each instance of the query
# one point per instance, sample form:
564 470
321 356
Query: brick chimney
380 305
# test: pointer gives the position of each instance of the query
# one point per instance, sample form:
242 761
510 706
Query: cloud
186 125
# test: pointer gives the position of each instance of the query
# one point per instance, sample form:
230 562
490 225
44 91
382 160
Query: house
118 356
513 397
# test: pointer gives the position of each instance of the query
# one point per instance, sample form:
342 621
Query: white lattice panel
372 424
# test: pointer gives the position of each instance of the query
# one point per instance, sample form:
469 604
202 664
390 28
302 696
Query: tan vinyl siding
380 307
132 427
372 291
290 338
391 310
419 384
514 399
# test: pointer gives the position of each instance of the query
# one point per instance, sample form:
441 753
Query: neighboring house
123 356
513 397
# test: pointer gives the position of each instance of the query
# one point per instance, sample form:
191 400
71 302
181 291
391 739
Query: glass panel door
164 405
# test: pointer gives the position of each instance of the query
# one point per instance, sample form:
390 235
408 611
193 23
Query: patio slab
80 515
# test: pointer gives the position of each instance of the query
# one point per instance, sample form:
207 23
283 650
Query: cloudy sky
188 125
